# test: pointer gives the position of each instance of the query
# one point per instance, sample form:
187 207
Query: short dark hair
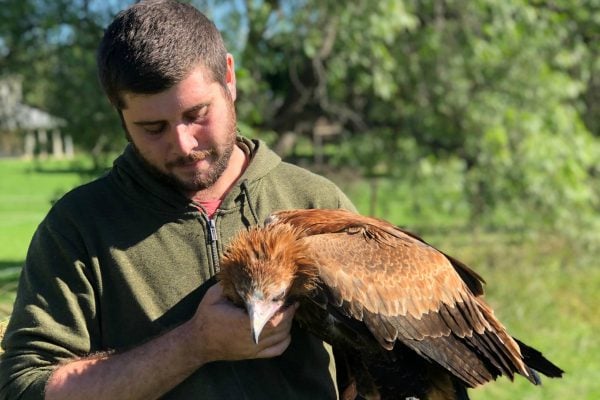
153 45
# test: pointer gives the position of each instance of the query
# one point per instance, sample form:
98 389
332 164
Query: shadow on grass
73 169
85 173
82 164
10 264
10 271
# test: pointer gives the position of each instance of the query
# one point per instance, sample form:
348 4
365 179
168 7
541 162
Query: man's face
185 134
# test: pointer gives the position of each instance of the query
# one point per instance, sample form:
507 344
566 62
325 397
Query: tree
489 84
497 100
52 45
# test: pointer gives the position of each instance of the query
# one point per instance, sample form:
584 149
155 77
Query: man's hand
222 330
218 331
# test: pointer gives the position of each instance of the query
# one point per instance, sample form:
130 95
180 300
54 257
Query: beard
200 180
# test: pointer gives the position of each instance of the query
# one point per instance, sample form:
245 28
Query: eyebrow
143 123
161 121
196 107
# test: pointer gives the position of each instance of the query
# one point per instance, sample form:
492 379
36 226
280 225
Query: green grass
544 289
27 190
546 292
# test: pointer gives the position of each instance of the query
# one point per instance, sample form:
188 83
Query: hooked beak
260 312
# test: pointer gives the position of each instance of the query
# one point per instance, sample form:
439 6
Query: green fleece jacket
124 258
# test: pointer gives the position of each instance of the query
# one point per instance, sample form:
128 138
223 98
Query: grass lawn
547 295
27 190
544 289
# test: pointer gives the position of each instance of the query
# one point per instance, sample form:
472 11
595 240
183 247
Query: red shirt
210 206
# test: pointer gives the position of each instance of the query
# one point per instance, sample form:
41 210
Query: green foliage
499 90
499 98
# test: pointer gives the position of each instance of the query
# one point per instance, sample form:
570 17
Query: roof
15 115
24 117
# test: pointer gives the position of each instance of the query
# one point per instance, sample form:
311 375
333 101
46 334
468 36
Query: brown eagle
404 319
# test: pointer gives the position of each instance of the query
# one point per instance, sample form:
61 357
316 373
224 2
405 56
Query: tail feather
535 360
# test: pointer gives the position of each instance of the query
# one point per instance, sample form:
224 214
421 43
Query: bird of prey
405 320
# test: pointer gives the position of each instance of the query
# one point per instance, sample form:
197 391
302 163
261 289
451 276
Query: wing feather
413 294
405 290
385 279
318 221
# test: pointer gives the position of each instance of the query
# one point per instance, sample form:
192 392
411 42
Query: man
116 299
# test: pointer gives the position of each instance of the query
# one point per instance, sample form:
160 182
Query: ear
230 76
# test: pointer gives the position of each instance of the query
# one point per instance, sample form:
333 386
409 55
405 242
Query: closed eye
197 114
280 297
152 128
155 129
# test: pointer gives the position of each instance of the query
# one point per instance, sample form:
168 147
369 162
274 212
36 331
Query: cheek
148 145
154 150
211 133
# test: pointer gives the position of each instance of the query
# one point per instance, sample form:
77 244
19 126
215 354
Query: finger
283 315
271 338
276 349
276 332
285 325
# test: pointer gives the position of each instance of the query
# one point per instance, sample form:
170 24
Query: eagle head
266 269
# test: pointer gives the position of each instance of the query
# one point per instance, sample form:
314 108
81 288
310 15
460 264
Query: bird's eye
278 298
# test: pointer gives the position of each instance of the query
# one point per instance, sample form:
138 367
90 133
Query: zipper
212 241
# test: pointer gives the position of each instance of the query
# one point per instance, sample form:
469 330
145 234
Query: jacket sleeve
54 313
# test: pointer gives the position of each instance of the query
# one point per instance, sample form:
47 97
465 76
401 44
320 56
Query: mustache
194 156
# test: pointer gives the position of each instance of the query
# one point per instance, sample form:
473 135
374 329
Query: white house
28 131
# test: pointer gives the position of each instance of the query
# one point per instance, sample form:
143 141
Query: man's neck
236 167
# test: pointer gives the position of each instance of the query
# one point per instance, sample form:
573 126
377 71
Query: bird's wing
319 221
403 289
389 278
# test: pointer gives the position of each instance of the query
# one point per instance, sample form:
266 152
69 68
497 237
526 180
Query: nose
184 141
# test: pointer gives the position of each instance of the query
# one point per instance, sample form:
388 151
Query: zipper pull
212 230
212 238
